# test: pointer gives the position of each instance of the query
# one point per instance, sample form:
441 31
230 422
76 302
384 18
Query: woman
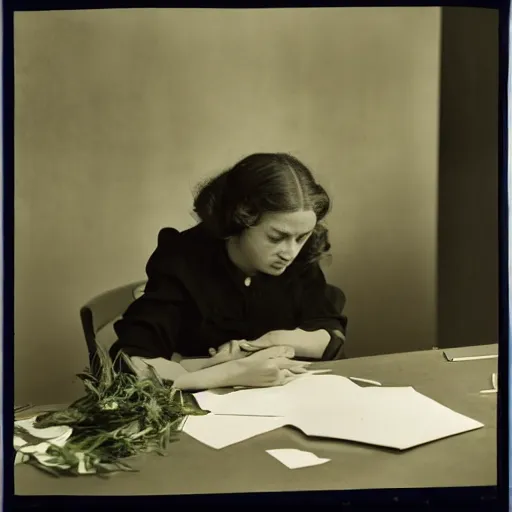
231 301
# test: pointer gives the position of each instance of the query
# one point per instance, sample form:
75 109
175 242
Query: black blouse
195 298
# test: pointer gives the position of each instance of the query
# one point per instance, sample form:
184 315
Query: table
468 459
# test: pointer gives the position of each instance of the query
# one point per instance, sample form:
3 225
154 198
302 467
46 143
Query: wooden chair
100 313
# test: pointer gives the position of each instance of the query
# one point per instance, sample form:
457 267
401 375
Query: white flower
110 405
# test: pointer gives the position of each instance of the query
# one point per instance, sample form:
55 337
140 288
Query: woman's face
272 245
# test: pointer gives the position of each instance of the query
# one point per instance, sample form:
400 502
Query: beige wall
119 113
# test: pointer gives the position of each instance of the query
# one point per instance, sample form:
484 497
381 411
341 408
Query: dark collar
222 261
259 279
237 275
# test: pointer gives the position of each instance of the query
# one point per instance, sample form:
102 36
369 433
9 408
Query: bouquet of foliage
121 415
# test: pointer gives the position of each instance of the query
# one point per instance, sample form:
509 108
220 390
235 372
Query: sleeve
322 308
150 325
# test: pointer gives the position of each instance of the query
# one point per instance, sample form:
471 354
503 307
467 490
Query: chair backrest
336 297
100 313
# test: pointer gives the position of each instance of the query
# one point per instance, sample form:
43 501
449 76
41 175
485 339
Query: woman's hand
230 351
268 367
307 344
238 349
268 340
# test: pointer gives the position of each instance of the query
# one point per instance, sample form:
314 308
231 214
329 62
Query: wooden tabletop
468 459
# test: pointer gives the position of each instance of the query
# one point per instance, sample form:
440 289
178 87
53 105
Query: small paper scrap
295 459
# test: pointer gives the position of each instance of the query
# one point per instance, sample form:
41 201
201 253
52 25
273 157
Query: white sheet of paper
244 402
294 459
399 418
334 407
221 431
279 401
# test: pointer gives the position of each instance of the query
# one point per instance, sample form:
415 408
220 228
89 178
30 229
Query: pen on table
358 379
309 372
21 412
20 408
316 372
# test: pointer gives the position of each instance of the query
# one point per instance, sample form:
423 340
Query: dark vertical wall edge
468 178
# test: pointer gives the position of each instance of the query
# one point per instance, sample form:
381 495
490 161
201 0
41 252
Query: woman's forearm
307 344
216 376
165 369
193 364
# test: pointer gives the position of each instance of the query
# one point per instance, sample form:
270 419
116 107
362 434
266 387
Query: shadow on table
324 443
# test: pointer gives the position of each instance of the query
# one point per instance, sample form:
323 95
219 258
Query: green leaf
125 467
147 418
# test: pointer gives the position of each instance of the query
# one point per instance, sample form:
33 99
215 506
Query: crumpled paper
29 445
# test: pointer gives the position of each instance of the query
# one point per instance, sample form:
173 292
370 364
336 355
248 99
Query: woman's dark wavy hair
263 183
